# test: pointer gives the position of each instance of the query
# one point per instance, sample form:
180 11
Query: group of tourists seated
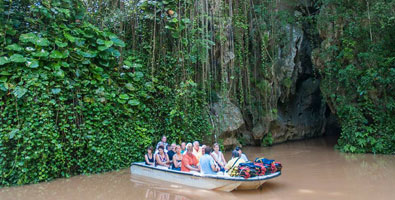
193 158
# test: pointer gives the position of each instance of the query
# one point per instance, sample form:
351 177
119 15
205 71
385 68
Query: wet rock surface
296 106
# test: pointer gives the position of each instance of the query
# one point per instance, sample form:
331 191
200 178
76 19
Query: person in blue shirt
207 165
242 155
183 148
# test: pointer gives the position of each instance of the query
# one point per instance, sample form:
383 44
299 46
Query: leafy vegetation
85 85
267 140
357 69
70 104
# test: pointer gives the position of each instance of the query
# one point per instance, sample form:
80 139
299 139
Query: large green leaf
4 87
134 102
4 60
18 58
14 47
32 63
130 87
19 92
114 52
13 133
59 73
88 54
43 42
69 37
108 43
124 96
58 55
102 48
30 49
104 44
41 53
5 73
60 44
56 90
118 42
100 41
28 37
80 42
139 75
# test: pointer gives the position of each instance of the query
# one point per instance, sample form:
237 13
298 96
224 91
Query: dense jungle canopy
86 85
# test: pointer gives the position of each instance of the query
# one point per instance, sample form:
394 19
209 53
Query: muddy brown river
312 170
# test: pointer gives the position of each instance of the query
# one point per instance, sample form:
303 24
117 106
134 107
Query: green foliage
267 140
358 72
85 86
72 102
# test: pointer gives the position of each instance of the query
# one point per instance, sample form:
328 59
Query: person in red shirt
189 161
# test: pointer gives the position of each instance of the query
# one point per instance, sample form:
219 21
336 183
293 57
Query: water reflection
159 190
157 195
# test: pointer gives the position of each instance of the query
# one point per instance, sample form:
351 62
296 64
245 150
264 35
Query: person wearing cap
234 162
242 155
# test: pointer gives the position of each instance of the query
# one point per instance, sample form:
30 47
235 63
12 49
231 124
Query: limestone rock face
289 98
301 117
227 120
296 107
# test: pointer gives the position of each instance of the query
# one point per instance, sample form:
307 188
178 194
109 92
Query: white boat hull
211 182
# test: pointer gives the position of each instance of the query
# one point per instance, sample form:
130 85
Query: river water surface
312 169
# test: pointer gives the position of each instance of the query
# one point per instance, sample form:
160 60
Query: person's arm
215 159
223 158
159 161
195 161
213 166
191 168
167 159
175 161
228 165
245 157
147 160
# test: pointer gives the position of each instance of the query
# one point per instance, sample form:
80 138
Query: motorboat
219 182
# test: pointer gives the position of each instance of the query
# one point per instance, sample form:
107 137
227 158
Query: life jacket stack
260 167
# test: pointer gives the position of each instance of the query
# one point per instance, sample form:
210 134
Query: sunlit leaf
4 60
41 53
30 49
32 63
41 42
134 102
130 87
56 90
58 55
28 37
108 43
18 58
69 37
60 44
118 42
14 47
124 96
19 92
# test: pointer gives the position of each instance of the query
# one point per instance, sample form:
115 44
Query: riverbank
313 169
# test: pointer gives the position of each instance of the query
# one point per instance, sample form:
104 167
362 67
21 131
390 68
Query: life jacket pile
260 167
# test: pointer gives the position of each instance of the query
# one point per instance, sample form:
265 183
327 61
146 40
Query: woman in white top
218 157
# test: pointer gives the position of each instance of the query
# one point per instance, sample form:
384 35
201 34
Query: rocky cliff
294 106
